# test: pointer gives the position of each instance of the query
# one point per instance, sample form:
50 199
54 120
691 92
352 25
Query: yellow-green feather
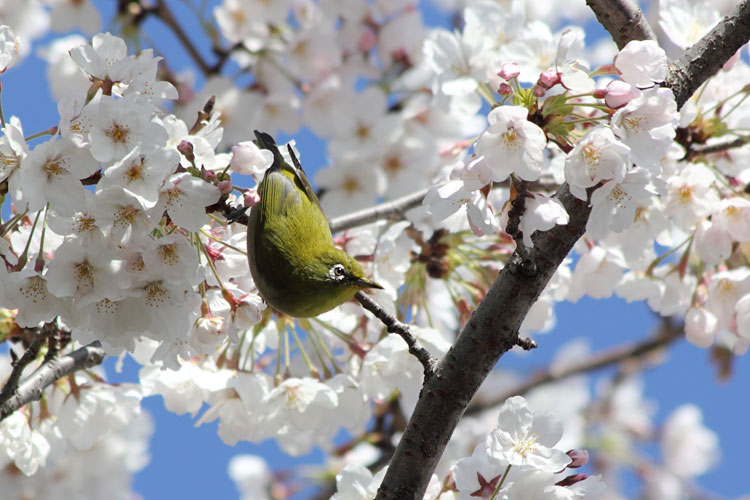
290 245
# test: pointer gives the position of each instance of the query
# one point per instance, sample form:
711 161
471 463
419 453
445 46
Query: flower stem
500 483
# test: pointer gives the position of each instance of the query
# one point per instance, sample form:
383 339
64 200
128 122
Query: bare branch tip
393 325
526 344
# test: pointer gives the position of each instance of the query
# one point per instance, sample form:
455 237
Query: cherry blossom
512 144
8 48
122 231
523 438
642 63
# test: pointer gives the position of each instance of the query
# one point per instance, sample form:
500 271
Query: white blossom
512 144
541 214
524 438
597 157
642 63
647 125
9 48
686 21
25 446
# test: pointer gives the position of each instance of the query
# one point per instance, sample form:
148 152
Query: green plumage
294 263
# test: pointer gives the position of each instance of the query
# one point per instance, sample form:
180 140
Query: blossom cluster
119 228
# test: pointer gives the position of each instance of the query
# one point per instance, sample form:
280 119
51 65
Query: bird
296 266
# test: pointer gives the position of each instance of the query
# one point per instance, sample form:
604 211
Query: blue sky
190 462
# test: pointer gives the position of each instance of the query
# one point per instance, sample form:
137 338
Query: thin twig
387 210
396 208
395 326
718 147
162 12
668 333
31 388
223 56
623 19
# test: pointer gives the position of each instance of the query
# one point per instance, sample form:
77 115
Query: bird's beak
365 283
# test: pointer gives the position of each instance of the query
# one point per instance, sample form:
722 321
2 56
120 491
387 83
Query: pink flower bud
509 71
620 93
225 187
548 79
186 148
600 93
571 480
579 457
505 89
539 91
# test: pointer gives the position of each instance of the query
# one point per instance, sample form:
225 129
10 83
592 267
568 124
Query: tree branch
32 387
718 147
161 10
668 333
387 210
20 365
623 19
395 326
709 54
397 207
490 332
493 328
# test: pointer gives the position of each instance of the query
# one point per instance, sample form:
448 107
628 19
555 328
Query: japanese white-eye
293 260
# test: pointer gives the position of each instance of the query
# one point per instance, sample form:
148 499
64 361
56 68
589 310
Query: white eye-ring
337 272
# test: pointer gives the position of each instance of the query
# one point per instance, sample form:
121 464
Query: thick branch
18 366
623 19
708 55
32 387
395 326
493 328
490 332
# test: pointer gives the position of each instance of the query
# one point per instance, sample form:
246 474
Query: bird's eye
337 272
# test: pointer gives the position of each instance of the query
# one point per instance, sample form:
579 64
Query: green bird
293 260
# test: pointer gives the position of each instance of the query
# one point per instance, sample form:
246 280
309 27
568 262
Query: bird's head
341 270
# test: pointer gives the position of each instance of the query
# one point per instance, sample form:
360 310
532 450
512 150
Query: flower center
135 171
118 133
168 254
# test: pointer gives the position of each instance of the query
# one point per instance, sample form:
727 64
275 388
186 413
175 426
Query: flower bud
548 79
186 148
509 71
225 187
505 89
571 480
579 457
619 93
210 330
